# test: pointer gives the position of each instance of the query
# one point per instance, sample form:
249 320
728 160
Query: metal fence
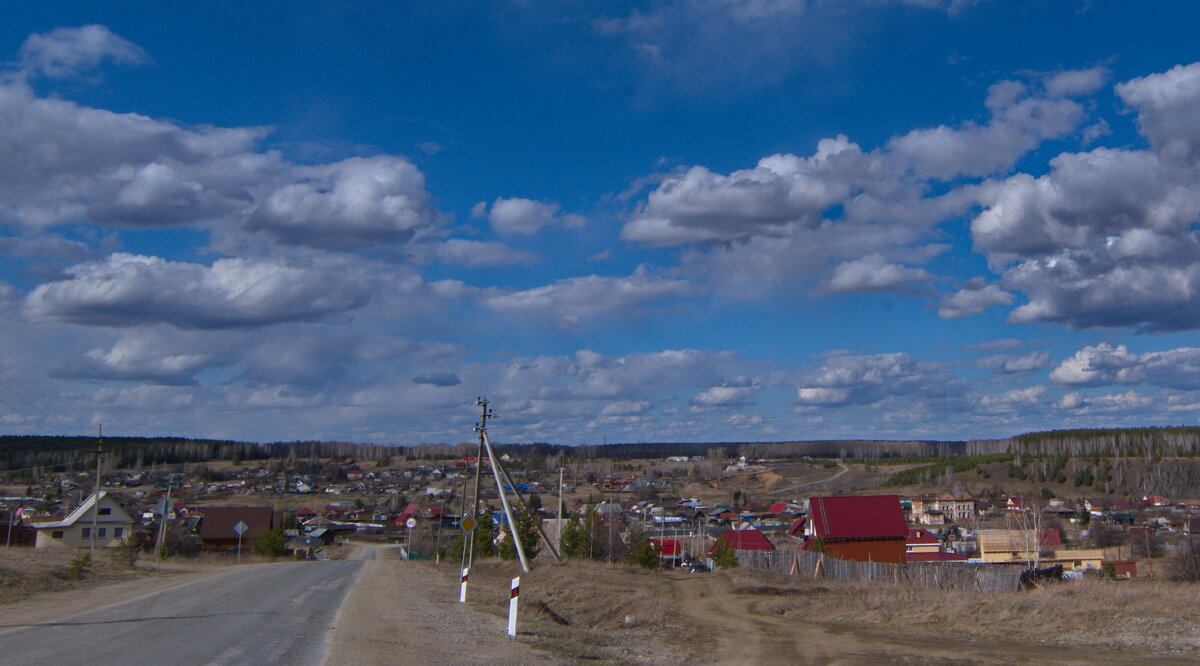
947 576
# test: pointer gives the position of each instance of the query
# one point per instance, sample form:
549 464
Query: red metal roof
921 537
668 547
858 517
744 540
777 508
797 527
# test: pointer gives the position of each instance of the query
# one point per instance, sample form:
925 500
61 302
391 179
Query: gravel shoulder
404 612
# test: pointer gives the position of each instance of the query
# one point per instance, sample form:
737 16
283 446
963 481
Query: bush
270 544
125 554
724 557
80 565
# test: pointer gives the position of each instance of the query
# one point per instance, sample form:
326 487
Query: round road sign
410 523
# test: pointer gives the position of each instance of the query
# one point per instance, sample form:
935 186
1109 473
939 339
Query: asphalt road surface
273 614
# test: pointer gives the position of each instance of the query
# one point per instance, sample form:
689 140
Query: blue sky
656 221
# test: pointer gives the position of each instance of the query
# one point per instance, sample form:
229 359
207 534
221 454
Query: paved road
272 614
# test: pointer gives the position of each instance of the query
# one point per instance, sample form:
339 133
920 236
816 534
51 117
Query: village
682 507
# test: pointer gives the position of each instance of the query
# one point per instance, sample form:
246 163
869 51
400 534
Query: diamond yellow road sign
468 524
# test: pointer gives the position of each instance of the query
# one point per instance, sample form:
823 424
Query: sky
664 220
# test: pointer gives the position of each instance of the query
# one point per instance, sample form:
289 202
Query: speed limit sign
410 523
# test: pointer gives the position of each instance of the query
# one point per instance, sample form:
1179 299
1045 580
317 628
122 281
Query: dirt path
404 613
747 637
842 471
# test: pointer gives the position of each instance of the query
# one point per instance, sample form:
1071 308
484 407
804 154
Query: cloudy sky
661 220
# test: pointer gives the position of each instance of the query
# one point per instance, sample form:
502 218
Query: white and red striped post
512 607
462 594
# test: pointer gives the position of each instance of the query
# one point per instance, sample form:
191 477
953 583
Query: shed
862 527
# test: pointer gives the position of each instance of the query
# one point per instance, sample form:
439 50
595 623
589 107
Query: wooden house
112 523
864 528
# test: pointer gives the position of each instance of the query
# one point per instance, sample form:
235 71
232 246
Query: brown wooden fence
946 576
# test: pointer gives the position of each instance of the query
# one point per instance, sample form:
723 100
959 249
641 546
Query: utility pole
96 502
561 525
162 531
8 539
512 523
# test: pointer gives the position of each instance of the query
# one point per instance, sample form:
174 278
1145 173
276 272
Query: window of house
105 511
56 534
101 532
86 532
118 532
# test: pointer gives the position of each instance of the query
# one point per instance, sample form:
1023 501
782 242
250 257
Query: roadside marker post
462 594
512 607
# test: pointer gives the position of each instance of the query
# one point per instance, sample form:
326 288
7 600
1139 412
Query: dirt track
747 637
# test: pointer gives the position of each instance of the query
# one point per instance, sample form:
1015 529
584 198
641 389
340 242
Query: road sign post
462 593
240 528
411 524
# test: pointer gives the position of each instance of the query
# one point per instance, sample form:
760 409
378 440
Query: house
113 525
921 541
864 528
1017 546
937 509
670 550
742 540
218 522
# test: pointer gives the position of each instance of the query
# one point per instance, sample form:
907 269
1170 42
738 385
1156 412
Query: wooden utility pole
508 513
96 500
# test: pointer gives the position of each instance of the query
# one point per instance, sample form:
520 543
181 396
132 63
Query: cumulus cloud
127 290
483 254
347 205
593 294
874 273
1104 364
65 52
524 216
726 395
1021 120
1107 237
68 163
1166 104
865 380
1119 402
972 299
1015 400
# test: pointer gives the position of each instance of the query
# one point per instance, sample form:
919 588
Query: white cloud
874 273
1104 364
1166 104
972 299
1014 363
865 380
725 396
593 294
126 290
1020 122
525 216
65 52
347 205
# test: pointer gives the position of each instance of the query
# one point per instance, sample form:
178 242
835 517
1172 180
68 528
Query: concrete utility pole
512 523
96 503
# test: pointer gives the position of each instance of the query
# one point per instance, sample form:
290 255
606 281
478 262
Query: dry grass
25 572
616 613
1152 616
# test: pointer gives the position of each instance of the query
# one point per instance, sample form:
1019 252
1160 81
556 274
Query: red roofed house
864 528
923 546
743 540
668 549
218 522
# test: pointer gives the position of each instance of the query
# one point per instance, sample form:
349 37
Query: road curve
269 614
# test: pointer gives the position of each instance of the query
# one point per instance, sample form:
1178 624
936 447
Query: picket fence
945 576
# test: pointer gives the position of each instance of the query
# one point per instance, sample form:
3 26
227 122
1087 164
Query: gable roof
119 515
858 517
744 540
219 521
